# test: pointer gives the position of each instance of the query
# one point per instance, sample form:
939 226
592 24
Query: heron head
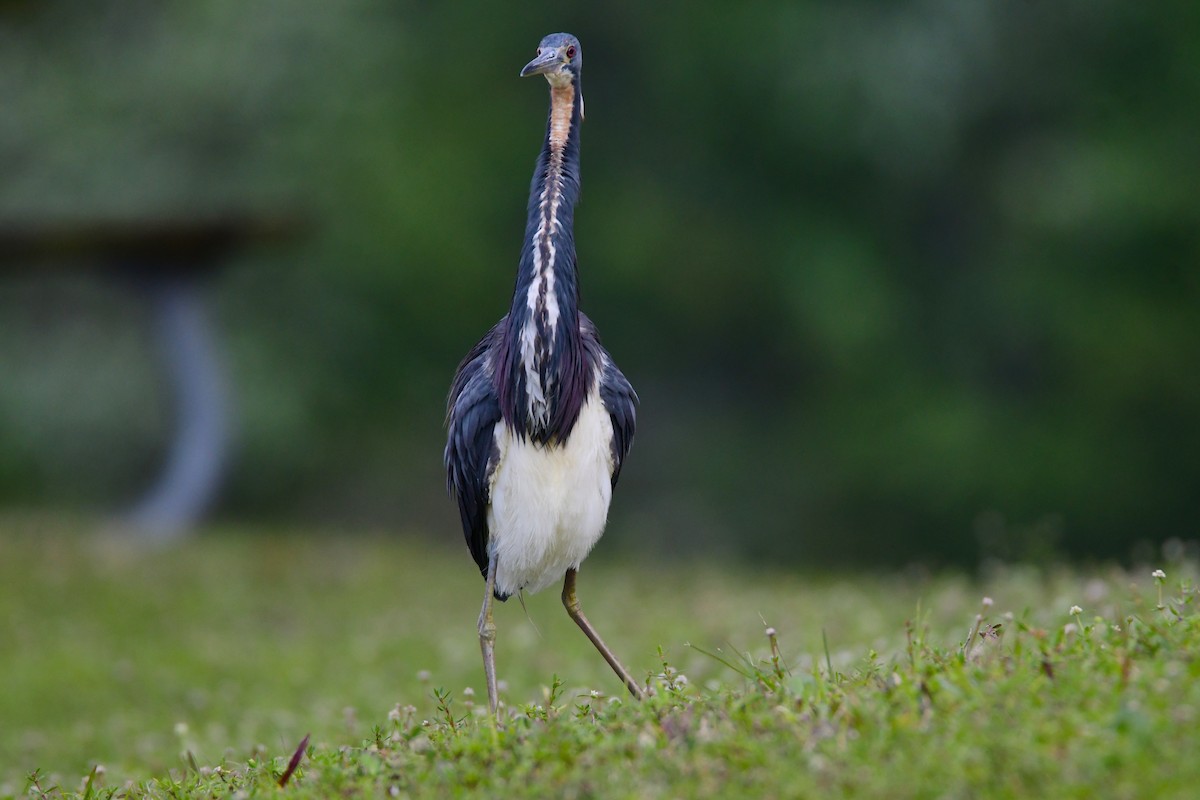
559 58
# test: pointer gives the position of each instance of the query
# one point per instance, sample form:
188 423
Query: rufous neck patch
562 105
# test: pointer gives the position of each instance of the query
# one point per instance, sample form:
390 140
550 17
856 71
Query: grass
198 671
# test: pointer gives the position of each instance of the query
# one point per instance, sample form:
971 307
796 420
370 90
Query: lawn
197 671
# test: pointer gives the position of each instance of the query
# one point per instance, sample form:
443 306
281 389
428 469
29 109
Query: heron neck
548 252
547 369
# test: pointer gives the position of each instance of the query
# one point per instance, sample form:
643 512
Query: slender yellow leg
487 637
573 608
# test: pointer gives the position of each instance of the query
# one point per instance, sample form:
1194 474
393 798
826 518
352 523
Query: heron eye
539 52
571 51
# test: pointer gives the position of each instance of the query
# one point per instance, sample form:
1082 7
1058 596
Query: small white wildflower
468 692
1158 575
987 602
424 675
646 739
394 714
1075 610
594 694
181 729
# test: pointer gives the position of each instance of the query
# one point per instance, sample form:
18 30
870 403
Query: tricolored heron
539 417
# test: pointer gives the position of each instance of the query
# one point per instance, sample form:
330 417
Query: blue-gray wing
472 411
620 400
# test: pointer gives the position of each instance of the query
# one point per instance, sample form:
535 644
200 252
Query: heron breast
549 503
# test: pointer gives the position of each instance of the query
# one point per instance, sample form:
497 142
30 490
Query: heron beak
550 58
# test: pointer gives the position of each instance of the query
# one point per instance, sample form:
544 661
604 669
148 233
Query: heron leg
487 637
576 613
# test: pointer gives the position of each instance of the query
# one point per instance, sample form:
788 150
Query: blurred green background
895 281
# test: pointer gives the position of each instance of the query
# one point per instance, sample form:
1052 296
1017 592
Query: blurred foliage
893 280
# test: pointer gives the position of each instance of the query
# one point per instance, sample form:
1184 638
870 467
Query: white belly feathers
549 505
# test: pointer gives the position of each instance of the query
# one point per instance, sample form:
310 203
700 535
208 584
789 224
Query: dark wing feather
620 400
472 411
